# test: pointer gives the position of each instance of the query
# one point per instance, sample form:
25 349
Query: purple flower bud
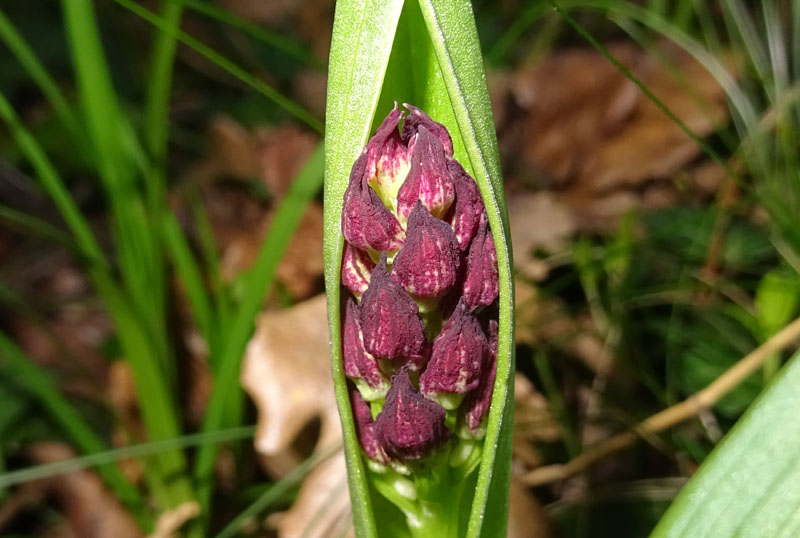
477 403
468 206
481 285
390 320
359 365
428 179
366 222
387 158
409 426
365 428
458 351
417 118
356 269
427 265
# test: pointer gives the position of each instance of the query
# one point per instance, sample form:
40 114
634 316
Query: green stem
438 517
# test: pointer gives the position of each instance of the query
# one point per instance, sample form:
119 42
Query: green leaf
451 27
434 61
750 484
363 32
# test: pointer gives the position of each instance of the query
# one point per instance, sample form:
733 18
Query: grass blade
274 492
224 63
304 187
47 393
285 45
27 58
452 30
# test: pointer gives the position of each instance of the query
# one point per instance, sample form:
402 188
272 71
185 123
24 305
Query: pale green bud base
434 495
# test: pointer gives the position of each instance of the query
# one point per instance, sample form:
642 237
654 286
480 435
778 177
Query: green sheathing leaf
451 26
750 484
363 32
414 76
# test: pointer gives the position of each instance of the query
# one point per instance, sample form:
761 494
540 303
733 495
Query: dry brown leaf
537 221
170 522
287 373
586 130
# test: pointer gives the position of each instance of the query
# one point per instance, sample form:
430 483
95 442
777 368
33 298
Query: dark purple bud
390 320
366 222
428 179
417 118
409 426
455 365
427 265
356 269
468 205
477 403
481 285
359 365
365 428
387 158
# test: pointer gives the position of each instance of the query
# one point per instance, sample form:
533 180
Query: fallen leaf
538 221
286 371
575 124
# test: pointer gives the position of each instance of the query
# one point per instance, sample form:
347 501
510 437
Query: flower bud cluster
419 333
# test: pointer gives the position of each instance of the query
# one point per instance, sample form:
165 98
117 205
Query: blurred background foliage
160 170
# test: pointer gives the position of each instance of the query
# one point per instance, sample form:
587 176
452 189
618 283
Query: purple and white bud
365 428
357 267
366 222
481 286
417 118
477 403
427 265
409 426
428 179
388 158
456 359
359 365
467 208
390 320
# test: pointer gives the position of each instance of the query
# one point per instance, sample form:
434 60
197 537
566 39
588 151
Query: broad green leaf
451 26
363 32
434 62
750 484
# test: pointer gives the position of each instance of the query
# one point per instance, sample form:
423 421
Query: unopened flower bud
428 179
366 222
481 285
365 428
390 320
357 267
409 426
476 405
456 359
388 158
359 365
467 208
427 265
417 118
